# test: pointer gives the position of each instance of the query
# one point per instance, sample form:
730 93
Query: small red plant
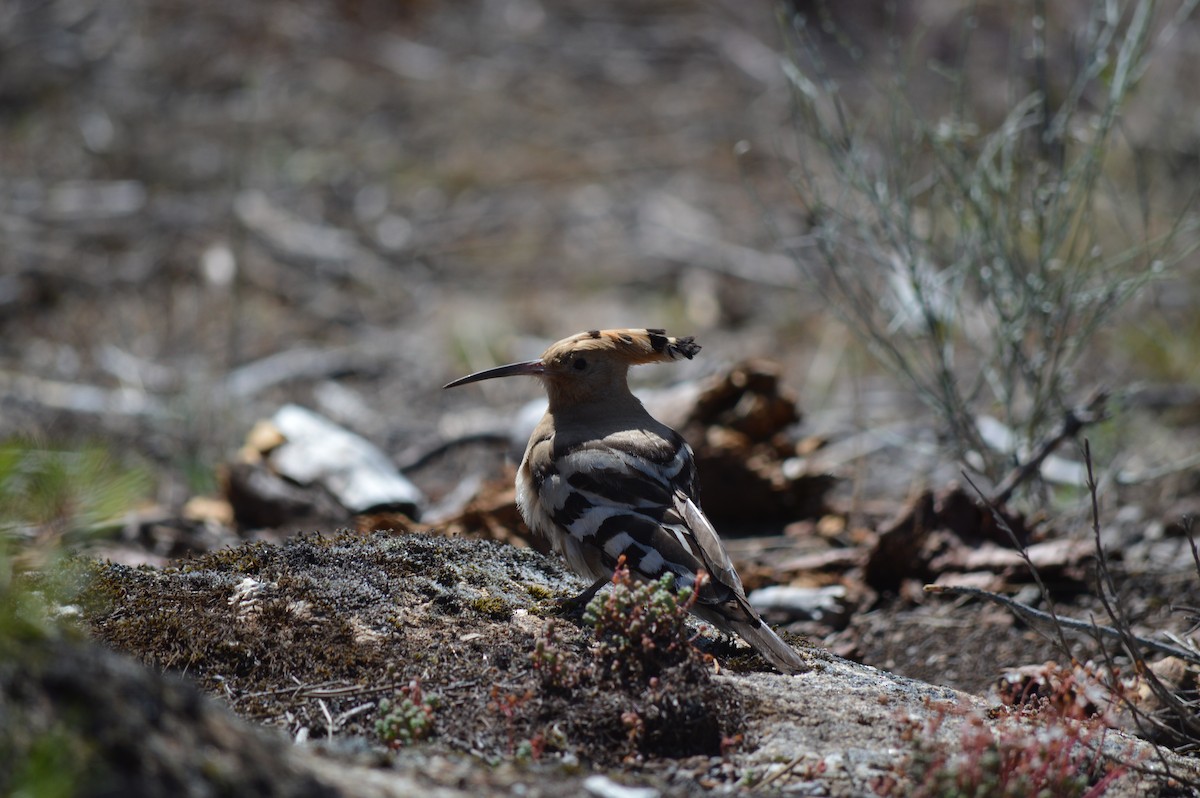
508 705
1032 749
641 627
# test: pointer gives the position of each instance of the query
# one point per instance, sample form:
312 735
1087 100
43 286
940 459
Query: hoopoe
602 478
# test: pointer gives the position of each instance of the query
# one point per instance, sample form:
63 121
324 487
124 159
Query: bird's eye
580 364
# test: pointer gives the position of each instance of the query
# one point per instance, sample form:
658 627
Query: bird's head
592 366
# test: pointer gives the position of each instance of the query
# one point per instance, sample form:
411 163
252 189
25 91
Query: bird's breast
538 500
527 497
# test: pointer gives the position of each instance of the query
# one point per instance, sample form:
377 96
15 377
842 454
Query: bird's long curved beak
530 368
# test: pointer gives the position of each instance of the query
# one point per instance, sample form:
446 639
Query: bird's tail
738 617
771 646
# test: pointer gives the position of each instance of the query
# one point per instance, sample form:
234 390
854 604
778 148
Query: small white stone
604 787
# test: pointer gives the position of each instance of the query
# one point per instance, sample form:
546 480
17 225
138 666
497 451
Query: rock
302 469
604 787
826 604
99 724
355 471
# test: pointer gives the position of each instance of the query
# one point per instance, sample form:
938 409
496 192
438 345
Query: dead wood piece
750 486
973 522
262 499
748 399
1054 558
831 560
896 554
940 532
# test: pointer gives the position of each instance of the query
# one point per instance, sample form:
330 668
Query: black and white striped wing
636 496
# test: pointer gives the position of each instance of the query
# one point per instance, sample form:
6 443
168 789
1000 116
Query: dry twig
1031 614
1093 411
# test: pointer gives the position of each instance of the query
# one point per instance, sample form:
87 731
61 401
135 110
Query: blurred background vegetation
212 209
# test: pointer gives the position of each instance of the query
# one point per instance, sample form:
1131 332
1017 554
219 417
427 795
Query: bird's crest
634 346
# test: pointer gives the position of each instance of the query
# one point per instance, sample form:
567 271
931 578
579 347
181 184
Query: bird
604 482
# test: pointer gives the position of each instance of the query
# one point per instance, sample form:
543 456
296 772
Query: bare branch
1031 614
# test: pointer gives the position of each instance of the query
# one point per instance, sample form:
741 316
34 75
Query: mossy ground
312 634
